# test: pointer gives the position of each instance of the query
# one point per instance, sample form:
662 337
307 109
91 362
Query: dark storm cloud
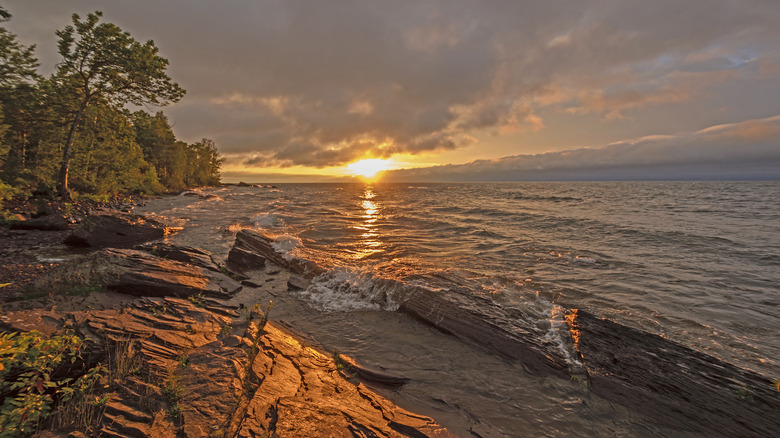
319 83
750 149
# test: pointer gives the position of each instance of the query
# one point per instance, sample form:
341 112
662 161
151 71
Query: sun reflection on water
370 242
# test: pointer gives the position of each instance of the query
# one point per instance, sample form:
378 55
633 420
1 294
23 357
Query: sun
370 167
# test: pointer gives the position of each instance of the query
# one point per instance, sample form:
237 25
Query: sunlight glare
370 167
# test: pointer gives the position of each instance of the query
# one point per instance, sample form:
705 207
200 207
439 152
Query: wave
268 220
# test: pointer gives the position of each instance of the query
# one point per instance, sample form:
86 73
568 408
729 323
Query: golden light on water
369 168
370 239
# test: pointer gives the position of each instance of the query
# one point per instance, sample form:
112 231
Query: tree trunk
62 182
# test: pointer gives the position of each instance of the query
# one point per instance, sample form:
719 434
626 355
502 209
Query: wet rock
252 241
371 376
184 254
116 231
241 260
675 385
483 323
479 321
296 282
43 223
251 283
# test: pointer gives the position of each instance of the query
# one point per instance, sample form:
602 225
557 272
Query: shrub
31 379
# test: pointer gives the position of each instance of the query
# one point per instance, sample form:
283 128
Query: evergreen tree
103 62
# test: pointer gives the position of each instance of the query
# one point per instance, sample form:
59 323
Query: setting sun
370 167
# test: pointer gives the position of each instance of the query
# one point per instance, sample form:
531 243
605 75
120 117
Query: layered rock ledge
672 384
195 364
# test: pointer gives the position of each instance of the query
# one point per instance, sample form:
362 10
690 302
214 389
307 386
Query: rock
482 323
678 387
184 254
250 240
43 223
223 385
675 385
242 260
299 392
139 273
352 368
296 282
251 283
116 231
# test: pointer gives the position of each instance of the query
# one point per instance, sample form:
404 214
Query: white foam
559 335
286 245
268 220
348 289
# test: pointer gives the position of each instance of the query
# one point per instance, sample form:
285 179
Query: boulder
116 231
241 260
252 241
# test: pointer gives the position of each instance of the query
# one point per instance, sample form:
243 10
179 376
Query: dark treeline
72 131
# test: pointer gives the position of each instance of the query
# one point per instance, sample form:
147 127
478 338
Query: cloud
749 149
285 83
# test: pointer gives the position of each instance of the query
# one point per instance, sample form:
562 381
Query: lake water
695 262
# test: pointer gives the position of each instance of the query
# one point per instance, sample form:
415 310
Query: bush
32 370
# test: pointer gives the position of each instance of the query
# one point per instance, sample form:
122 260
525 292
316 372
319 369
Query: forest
83 130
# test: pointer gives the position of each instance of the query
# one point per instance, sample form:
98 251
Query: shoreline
702 391
217 352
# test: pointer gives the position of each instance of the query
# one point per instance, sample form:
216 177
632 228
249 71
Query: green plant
82 290
225 330
29 384
183 360
744 393
173 390
256 313
197 299
122 360
580 379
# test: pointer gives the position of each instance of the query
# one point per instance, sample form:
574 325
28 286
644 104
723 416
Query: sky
448 90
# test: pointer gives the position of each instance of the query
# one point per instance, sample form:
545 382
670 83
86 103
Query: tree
100 61
17 62
17 71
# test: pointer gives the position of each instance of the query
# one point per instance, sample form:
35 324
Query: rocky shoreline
203 324
200 357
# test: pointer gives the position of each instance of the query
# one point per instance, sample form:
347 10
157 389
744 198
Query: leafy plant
31 367
197 299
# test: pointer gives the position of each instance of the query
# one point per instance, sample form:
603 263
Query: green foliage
31 367
103 63
71 129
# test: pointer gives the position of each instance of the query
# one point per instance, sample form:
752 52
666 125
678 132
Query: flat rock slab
142 274
679 387
301 392
185 254
116 231
233 379
139 273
